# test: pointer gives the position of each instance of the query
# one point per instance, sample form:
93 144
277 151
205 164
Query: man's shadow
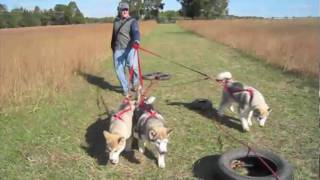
96 142
99 82
211 113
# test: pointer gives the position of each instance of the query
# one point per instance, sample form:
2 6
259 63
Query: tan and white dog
149 126
250 101
119 136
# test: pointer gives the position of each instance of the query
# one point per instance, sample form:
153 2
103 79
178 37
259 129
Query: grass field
45 58
290 44
60 137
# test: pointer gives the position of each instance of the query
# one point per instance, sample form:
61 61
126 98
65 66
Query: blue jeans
123 58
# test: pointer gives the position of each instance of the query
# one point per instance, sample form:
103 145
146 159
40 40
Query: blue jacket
125 33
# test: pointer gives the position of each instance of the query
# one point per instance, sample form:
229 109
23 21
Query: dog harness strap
140 72
120 113
231 92
118 117
250 93
136 52
141 103
126 100
151 114
131 75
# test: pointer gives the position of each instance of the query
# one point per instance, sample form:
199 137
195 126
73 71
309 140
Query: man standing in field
124 44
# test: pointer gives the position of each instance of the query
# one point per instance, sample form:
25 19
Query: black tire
148 76
156 76
257 171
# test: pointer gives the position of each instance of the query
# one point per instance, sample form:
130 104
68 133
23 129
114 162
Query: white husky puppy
149 127
250 101
119 136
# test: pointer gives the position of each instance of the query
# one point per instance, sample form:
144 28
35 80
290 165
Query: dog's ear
121 140
106 134
169 131
152 134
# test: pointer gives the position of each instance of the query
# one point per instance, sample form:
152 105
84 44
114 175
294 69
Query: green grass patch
60 137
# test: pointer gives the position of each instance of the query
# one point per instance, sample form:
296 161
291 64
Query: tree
60 15
145 9
3 15
168 16
220 8
69 14
74 13
14 17
29 19
45 17
136 8
153 7
204 8
3 8
37 10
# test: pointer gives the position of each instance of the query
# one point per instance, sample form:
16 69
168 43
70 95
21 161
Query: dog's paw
141 150
232 109
161 164
246 128
245 124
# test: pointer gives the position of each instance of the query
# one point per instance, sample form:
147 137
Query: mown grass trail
60 137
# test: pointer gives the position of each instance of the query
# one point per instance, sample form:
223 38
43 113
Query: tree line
151 9
141 9
59 15
204 8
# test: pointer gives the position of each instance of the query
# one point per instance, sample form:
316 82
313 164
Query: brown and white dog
119 136
250 101
149 126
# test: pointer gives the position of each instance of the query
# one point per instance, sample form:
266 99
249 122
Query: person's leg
132 61
119 60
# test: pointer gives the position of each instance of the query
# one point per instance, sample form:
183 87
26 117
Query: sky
262 8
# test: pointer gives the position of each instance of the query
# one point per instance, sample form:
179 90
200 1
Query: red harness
120 113
151 114
233 91
150 111
131 72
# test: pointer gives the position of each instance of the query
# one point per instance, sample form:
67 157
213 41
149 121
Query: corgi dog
250 101
119 135
149 126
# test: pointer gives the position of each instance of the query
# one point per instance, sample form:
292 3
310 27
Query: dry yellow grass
291 44
36 59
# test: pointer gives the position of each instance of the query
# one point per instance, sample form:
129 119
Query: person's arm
113 38
135 31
